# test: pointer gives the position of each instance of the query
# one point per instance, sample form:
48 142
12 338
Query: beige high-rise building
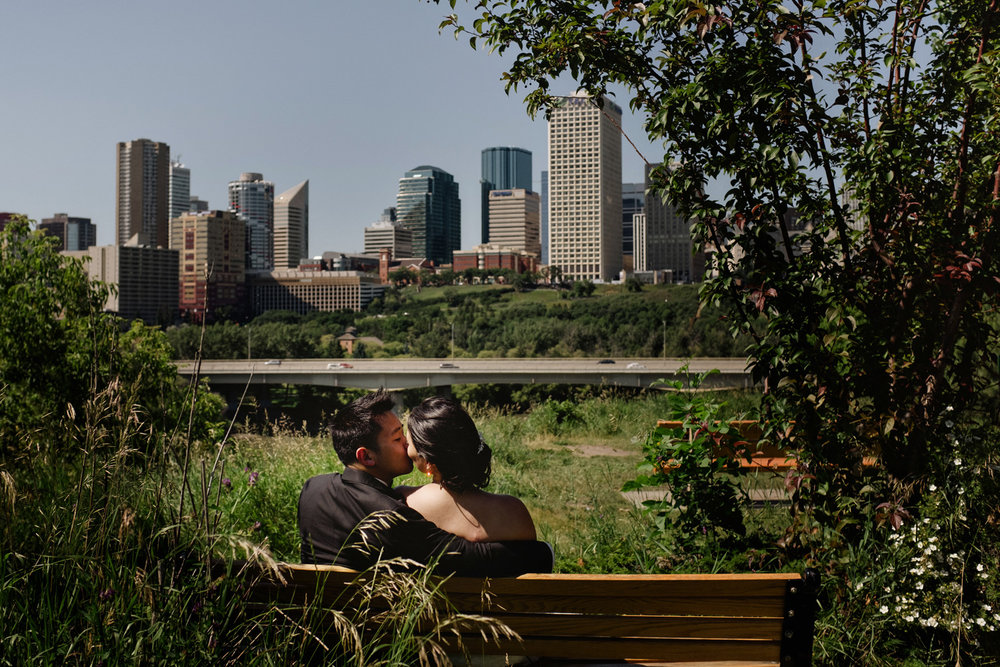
142 207
212 272
515 220
291 226
585 189
391 235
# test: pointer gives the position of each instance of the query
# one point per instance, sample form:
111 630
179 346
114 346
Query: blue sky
349 95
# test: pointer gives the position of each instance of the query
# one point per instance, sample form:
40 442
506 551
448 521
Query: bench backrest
746 618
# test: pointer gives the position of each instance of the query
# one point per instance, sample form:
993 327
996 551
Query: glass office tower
504 168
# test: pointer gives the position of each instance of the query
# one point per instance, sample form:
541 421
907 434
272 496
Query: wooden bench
722 619
744 447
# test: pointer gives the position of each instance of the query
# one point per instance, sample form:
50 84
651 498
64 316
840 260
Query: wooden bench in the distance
744 447
722 619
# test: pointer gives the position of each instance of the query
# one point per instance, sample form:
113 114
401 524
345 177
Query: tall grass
111 544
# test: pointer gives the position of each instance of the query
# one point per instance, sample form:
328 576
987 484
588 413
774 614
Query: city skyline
351 129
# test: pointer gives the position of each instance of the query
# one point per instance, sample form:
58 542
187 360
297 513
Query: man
369 440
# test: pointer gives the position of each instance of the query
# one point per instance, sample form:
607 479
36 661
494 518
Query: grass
568 468
99 566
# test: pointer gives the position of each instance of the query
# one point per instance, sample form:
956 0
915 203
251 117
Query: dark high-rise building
180 189
73 233
633 201
428 205
504 168
145 278
663 241
252 200
197 205
143 186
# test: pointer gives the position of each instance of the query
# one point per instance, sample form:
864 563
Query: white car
273 362
635 365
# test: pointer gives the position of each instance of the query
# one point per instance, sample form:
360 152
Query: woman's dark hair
445 435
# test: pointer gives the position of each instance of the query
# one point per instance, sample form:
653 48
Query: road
409 373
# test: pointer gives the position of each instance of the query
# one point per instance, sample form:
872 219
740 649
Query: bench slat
635 649
579 625
771 606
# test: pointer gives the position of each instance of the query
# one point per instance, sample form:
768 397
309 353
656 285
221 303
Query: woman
445 445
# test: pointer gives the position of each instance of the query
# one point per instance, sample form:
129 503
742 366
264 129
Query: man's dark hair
355 425
445 435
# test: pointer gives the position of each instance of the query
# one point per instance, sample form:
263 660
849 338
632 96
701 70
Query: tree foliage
840 161
856 146
58 350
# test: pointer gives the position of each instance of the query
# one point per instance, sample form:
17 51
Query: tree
841 165
59 351
47 308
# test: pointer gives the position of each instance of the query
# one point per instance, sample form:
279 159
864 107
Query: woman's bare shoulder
518 522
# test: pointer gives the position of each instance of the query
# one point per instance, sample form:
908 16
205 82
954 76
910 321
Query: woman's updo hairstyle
445 435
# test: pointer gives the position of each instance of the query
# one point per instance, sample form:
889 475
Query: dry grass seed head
8 490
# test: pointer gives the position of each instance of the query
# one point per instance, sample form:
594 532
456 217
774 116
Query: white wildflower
932 622
920 586
979 567
957 461
883 609
932 488
980 622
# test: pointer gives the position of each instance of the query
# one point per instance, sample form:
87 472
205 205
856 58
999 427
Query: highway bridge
394 374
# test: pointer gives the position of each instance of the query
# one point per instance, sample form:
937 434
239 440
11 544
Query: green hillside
486 321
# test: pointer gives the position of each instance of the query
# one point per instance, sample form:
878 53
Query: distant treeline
483 321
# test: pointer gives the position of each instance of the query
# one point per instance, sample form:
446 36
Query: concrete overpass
406 373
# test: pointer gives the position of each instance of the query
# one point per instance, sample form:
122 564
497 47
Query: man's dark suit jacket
331 506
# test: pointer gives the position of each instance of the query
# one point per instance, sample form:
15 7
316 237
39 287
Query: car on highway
273 362
606 361
635 365
342 364
447 364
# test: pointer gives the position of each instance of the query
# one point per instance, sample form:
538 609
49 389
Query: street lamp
664 339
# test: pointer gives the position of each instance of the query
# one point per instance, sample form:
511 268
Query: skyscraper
73 233
665 237
504 168
291 226
391 235
145 278
585 189
252 200
211 275
180 189
633 201
143 183
428 205
514 220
